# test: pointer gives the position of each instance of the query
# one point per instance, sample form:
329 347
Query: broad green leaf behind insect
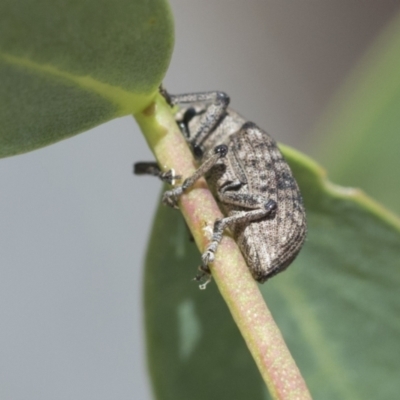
337 305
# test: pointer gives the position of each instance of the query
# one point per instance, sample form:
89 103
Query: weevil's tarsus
170 197
152 168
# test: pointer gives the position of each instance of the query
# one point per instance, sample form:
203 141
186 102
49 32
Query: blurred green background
359 141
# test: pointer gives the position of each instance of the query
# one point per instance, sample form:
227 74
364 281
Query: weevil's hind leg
251 201
152 168
268 209
218 104
170 197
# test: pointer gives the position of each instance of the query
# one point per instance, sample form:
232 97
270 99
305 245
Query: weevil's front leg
171 197
263 210
218 104
152 168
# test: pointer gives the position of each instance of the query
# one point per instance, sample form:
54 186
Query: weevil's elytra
250 179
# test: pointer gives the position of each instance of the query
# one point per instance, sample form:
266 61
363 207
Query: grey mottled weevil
249 178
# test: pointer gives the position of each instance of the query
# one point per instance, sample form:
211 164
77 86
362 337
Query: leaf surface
337 305
67 66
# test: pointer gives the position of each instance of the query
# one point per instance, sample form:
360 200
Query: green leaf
67 65
361 129
337 305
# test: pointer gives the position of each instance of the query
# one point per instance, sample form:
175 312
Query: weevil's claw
208 257
204 273
166 95
170 197
203 286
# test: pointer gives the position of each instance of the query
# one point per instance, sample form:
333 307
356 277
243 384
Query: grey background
75 222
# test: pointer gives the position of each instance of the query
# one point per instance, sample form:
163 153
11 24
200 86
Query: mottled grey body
251 181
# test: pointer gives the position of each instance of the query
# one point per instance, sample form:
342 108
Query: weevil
249 178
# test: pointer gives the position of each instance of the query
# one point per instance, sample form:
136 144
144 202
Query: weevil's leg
170 197
245 200
152 168
218 104
166 95
268 209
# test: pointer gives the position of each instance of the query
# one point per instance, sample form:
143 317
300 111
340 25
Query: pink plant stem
229 270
